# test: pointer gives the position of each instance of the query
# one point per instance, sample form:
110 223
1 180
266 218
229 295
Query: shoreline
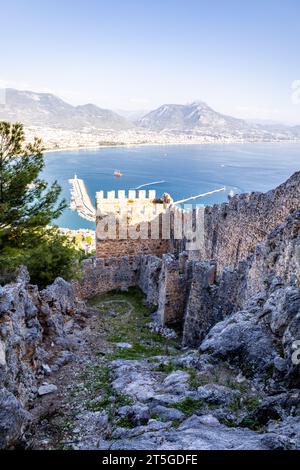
165 144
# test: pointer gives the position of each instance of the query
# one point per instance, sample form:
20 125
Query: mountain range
47 110
197 118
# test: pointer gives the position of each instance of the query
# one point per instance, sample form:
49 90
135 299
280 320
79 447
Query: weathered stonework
233 229
103 275
173 289
237 259
135 224
274 264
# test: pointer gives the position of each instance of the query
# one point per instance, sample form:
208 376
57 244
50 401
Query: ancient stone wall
274 264
244 247
130 224
165 282
103 275
118 248
174 283
233 229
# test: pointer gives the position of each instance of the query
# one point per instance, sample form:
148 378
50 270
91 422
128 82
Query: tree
26 203
27 207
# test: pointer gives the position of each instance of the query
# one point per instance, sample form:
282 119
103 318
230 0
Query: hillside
199 118
47 110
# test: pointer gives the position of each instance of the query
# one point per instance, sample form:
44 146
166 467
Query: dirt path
128 387
83 383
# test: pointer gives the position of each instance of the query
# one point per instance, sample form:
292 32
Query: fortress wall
119 248
137 227
174 283
164 281
200 291
233 229
273 267
104 275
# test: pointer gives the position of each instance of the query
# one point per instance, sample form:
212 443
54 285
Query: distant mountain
198 118
47 110
189 117
195 119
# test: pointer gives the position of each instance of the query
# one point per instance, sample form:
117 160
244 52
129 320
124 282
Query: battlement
131 211
131 195
143 204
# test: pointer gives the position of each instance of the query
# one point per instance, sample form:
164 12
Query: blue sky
241 57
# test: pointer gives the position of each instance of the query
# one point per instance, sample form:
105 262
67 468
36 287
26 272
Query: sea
181 170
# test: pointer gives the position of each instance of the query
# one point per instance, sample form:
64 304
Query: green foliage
125 422
27 207
230 423
188 406
167 368
130 325
251 423
195 380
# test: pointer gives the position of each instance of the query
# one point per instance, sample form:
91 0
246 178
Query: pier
80 200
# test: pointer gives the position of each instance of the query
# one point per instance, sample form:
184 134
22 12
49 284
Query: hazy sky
240 56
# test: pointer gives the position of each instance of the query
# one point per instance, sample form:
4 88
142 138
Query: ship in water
117 173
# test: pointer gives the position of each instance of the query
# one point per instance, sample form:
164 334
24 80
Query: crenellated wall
129 224
233 229
248 241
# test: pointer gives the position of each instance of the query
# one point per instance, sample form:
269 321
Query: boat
117 173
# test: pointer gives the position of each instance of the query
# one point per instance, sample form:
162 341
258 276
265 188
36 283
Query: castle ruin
186 286
133 223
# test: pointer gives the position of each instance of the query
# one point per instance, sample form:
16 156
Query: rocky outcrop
169 411
268 280
32 332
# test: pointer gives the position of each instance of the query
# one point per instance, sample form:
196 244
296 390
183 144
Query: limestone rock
217 394
13 419
167 413
124 345
241 341
30 320
46 389
137 414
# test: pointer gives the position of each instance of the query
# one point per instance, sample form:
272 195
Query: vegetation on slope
27 206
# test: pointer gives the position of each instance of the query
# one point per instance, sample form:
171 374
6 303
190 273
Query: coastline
167 144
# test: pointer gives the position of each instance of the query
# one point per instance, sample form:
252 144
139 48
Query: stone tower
132 223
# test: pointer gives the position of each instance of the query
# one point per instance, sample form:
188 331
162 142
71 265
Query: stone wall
174 284
244 247
196 292
118 248
275 264
130 224
104 275
165 281
233 229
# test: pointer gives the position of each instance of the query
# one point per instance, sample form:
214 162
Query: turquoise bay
186 170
